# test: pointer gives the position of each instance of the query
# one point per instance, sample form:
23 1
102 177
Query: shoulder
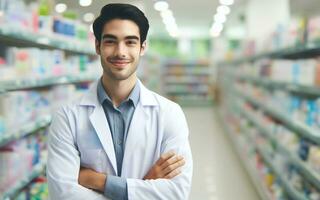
169 109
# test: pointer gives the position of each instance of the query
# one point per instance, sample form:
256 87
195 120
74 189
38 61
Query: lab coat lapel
138 126
99 122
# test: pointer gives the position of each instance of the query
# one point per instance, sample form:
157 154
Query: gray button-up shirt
119 119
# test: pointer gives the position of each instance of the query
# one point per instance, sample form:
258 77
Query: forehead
121 28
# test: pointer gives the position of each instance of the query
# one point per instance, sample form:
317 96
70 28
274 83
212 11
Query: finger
165 157
171 161
174 166
173 174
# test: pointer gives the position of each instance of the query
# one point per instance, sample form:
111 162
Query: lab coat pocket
92 158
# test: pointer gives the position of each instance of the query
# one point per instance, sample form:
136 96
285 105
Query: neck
118 90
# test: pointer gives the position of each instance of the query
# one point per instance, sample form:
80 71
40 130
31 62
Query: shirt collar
134 95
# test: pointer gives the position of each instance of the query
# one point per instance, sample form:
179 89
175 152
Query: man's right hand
168 166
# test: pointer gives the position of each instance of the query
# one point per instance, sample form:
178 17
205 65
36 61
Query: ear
143 48
97 44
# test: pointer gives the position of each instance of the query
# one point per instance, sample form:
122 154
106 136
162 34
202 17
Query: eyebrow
110 36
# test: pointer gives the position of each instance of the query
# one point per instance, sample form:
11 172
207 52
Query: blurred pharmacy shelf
249 166
188 83
310 174
268 160
39 49
291 87
38 83
296 126
302 51
18 37
26 129
25 181
288 188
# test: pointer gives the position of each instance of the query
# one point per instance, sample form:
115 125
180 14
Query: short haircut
121 11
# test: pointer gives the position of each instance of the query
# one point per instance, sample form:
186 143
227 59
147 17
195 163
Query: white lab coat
79 136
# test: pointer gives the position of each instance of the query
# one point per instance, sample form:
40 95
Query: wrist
98 182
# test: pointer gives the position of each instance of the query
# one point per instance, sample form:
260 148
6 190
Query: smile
119 63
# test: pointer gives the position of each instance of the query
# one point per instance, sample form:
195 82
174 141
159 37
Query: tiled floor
218 173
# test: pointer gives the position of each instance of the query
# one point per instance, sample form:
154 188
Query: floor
218 173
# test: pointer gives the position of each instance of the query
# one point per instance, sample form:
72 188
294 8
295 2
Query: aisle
218 173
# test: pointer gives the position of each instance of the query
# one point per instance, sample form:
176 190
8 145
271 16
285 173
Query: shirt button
119 142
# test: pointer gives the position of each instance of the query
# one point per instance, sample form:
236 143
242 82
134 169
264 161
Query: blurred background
246 73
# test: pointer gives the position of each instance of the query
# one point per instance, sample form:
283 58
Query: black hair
121 11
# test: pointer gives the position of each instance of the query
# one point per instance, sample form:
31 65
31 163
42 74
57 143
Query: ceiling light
216 27
215 34
219 18
161 6
88 17
85 3
226 2
224 10
174 34
169 21
166 13
61 7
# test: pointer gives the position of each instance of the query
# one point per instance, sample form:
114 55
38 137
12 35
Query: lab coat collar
91 98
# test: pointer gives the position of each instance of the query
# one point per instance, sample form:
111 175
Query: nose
121 50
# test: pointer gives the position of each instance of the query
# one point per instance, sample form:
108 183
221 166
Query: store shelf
310 175
27 129
24 38
291 87
199 63
37 83
36 172
298 127
179 80
262 190
309 50
195 102
284 182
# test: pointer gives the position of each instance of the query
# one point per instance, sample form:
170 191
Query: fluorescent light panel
85 3
60 7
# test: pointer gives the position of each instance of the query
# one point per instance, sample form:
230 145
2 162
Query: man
120 140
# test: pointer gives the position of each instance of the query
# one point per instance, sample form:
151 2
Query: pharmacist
120 140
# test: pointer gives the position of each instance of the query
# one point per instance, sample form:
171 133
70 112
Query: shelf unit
228 80
188 83
18 37
296 126
25 181
300 51
25 130
6 86
252 172
310 175
290 191
22 38
291 87
262 190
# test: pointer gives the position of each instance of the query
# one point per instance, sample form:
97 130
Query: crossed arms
165 180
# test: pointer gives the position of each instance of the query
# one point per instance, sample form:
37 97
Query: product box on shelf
34 64
18 158
314 29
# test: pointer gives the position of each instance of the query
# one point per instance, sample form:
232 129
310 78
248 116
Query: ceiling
193 17
193 20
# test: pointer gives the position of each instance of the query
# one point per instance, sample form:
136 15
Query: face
120 49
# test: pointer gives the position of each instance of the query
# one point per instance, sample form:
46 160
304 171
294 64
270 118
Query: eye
131 42
109 41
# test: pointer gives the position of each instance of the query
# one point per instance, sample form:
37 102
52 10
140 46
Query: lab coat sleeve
64 163
175 138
